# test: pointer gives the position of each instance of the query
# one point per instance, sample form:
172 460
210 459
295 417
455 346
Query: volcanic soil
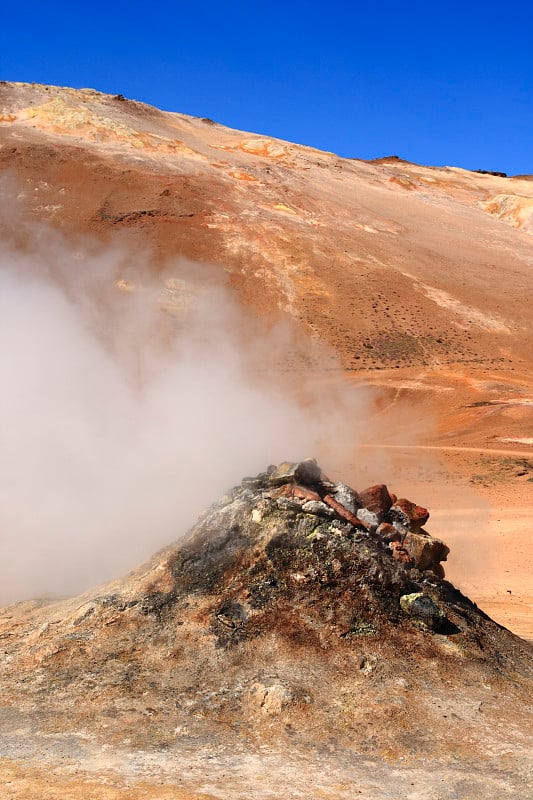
302 638
417 279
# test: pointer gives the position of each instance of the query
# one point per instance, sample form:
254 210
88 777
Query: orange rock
305 494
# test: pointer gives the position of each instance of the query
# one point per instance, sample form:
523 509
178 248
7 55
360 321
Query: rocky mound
315 560
297 608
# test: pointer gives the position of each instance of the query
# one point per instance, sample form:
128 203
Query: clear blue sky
438 83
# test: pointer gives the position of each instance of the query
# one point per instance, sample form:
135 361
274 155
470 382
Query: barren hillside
412 282
419 277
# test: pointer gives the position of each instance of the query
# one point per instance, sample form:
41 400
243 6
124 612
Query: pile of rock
397 522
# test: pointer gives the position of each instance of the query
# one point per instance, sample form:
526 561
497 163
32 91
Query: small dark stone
307 472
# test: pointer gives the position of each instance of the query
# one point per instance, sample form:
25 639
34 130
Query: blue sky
448 83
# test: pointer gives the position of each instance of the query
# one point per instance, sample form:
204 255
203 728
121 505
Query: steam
134 394
129 403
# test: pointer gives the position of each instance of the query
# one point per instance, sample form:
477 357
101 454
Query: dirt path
492 451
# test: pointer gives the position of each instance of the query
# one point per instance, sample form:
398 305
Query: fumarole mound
297 608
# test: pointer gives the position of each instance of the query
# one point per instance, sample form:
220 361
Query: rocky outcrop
491 172
396 523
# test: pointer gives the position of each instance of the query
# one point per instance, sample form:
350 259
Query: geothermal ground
301 639
406 282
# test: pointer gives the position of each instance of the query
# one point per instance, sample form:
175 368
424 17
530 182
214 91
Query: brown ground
253 660
418 277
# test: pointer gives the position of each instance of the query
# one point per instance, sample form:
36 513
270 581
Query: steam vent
298 614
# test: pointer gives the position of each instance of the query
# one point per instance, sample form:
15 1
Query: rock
369 519
347 497
288 504
271 699
317 507
399 553
438 569
305 494
399 520
491 172
423 610
376 499
231 615
283 473
307 472
367 665
340 511
407 515
426 551
388 532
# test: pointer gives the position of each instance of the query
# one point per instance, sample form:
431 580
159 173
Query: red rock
287 490
417 515
377 499
305 494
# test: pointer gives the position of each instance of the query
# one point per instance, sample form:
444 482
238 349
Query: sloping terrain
301 636
380 247
418 279
420 270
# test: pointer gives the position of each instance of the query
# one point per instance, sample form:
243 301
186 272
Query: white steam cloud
129 403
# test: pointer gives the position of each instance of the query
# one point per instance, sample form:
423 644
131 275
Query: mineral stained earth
301 640
418 278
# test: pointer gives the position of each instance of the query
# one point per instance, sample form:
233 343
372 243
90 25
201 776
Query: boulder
307 472
426 551
347 497
408 516
376 499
